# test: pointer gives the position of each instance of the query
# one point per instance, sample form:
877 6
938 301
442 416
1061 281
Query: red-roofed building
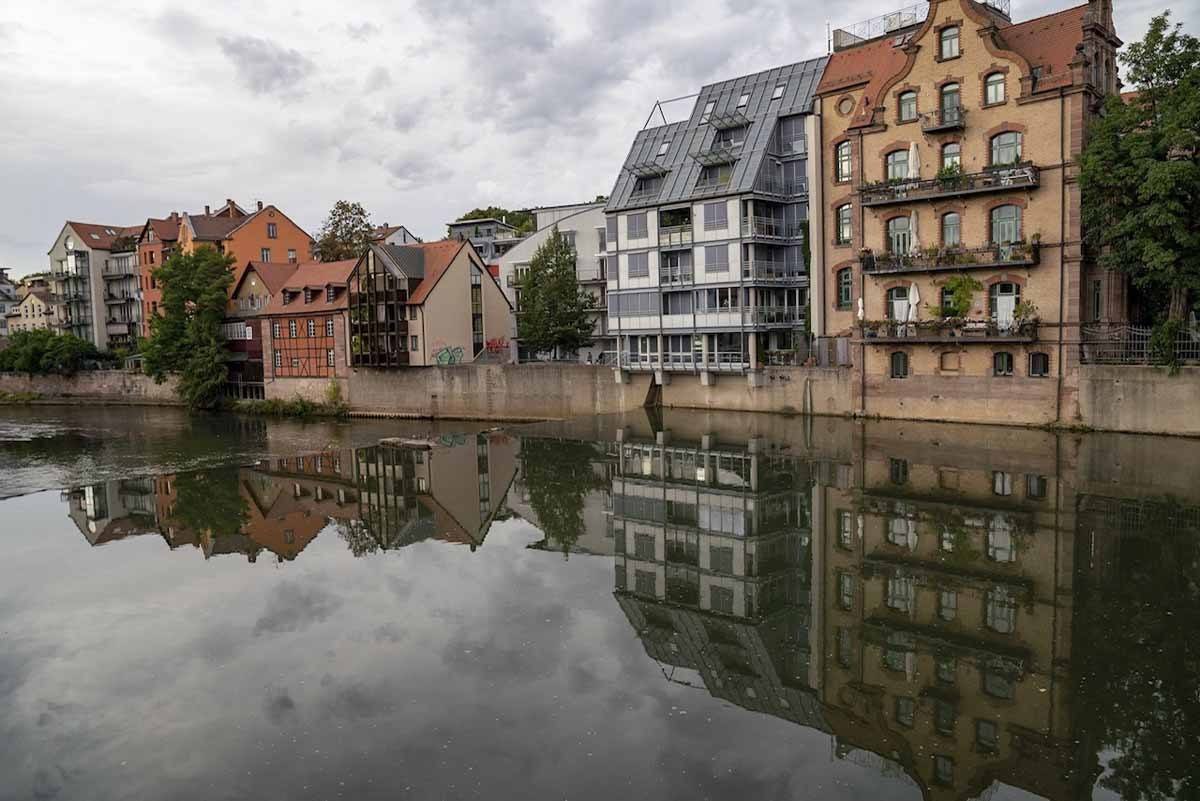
265 234
94 276
949 148
426 304
304 333
156 242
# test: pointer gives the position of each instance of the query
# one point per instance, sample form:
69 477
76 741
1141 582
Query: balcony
683 362
995 179
1016 254
952 118
760 270
718 154
676 276
121 269
948 330
254 303
514 280
774 315
770 228
675 236
591 273
779 188
119 297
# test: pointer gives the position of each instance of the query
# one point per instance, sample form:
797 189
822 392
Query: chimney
260 205
207 210
174 216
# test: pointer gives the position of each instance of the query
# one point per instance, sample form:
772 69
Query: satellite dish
70 243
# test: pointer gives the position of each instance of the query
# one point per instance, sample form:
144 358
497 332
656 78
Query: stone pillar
753 348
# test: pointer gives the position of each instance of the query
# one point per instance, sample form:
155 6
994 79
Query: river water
676 606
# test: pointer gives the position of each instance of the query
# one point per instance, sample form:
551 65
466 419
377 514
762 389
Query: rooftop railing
897 20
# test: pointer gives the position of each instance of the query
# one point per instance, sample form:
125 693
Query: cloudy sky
420 109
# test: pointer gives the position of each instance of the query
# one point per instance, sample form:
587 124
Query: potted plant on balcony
1025 316
950 176
866 257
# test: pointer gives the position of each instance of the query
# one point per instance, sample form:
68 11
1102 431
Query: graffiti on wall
497 345
444 354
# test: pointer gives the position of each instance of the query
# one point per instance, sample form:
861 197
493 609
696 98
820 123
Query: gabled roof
210 228
384 231
681 170
167 230
100 237
274 275
438 257
311 275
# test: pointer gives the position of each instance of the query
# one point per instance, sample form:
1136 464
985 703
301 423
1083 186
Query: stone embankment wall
108 386
1143 400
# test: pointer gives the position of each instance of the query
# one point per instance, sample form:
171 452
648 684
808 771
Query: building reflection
376 498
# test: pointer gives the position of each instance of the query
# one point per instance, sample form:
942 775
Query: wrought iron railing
1115 343
949 329
994 179
952 258
944 119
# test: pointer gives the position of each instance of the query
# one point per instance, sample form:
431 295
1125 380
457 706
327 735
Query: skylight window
743 101
94 236
110 232
708 110
663 148
778 92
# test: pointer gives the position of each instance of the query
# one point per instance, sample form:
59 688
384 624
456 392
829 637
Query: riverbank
1119 399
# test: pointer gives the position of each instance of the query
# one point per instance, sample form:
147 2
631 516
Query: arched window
950 102
1003 298
1006 148
1002 364
845 228
908 106
993 88
1039 365
1006 224
949 42
952 155
899 365
845 288
897 165
899 232
897 303
843 166
951 229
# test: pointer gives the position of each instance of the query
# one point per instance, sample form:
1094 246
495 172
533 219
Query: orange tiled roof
1048 42
274 275
317 276
101 236
438 256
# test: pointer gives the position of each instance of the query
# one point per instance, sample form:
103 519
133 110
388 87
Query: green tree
523 221
1140 172
186 337
43 351
345 234
554 308
209 502
559 476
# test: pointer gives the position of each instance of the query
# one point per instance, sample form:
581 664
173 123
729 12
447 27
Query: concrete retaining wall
1143 400
110 386
811 390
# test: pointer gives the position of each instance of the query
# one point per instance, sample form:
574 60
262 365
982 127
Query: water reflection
963 613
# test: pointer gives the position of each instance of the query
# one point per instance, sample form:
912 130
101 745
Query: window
898 471
950 360
846 591
901 531
951 102
908 106
643 547
743 101
845 229
291 256
906 711
900 593
778 93
987 735
948 601
943 769
714 177
898 648
843 163
944 716
1002 364
898 303
278 359
1001 483
272 231
329 327
1003 298
721 600
845 530
716 258
999 682
264 254
412 343
329 357
312 328
949 43
1039 365
1000 612
708 110
639 264
897 165
993 88
952 156
412 312
999 539
637 226
275 329
1006 148
1035 487
330 293
845 287
648 185
899 365
1097 299
291 328
716 216
663 148
951 229
1006 224
899 233
947 669
677 303
610 232
845 647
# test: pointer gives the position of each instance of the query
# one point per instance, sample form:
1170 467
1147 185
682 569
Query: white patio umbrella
914 242
914 300
914 162
862 312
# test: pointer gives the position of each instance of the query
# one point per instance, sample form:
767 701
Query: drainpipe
862 290
1062 249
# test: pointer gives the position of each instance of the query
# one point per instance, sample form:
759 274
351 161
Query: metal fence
1130 344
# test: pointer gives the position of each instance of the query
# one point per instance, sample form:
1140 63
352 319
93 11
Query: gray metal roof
693 136
407 259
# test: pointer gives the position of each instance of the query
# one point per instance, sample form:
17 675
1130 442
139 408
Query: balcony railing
593 272
995 179
770 228
773 315
774 186
119 269
1116 343
691 362
760 270
1015 254
710 187
675 235
951 118
953 329
676 276
250 304
119 297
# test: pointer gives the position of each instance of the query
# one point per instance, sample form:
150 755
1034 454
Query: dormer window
329 294
308 295
287 297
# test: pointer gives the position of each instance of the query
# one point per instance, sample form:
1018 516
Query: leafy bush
46 352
